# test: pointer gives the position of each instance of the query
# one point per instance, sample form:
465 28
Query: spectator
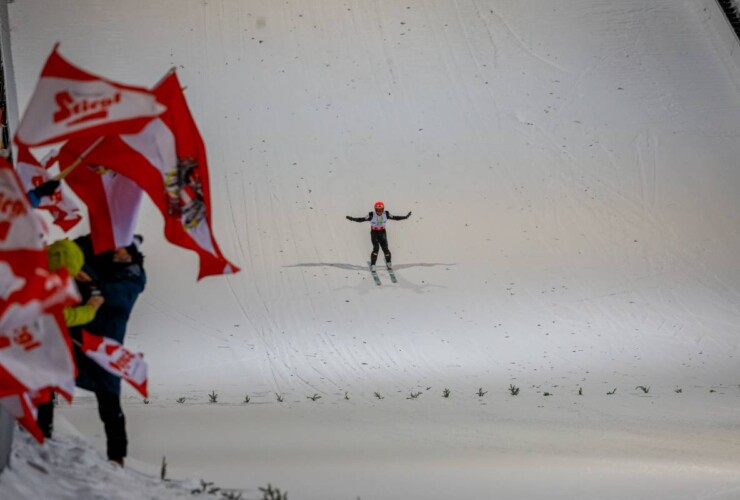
66 254
120 277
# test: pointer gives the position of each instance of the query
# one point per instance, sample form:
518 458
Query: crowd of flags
112 144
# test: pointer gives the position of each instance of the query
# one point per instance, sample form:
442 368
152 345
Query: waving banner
35 349
70 102
167 159
113 200
118 360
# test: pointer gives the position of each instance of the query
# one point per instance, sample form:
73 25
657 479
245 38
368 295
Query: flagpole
169 72
173 69
68 170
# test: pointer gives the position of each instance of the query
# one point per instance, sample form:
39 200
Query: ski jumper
377 232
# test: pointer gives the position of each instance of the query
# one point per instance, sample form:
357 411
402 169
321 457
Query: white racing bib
377 223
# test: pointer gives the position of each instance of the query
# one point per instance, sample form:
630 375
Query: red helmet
379 204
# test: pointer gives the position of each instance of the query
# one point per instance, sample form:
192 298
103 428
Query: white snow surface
68 468
572 170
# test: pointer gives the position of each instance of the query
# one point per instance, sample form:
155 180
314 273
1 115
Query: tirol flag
167 159
113 200
70 102
33 173
116 359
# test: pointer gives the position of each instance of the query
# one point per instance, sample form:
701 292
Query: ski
376 278
392 274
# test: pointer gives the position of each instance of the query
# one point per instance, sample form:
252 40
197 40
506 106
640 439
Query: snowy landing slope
571 168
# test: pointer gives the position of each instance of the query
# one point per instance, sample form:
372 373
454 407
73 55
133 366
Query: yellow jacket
78 315
65 253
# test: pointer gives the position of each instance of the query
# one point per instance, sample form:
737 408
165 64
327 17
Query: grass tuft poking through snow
269 493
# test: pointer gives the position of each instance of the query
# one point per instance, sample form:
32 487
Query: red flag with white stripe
167 159
113 200
70 102
118 360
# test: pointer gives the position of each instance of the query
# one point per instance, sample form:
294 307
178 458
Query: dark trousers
109 409
379 240
45 416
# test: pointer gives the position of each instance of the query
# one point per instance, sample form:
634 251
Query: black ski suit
377 233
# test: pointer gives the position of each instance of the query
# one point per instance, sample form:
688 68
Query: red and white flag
36 356
167 159
117 360
28 296
70 102
33 173
27 287
113 200
35 349
20 228
22 408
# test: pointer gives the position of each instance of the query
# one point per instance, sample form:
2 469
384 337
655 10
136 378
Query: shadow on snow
354 267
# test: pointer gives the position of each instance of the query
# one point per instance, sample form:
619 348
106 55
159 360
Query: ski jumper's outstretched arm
368 217
398 217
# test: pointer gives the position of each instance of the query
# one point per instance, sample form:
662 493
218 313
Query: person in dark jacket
119 276
378 219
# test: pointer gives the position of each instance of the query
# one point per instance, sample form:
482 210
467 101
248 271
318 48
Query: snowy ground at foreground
663 445
69 468
572 170
657 445
592 446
